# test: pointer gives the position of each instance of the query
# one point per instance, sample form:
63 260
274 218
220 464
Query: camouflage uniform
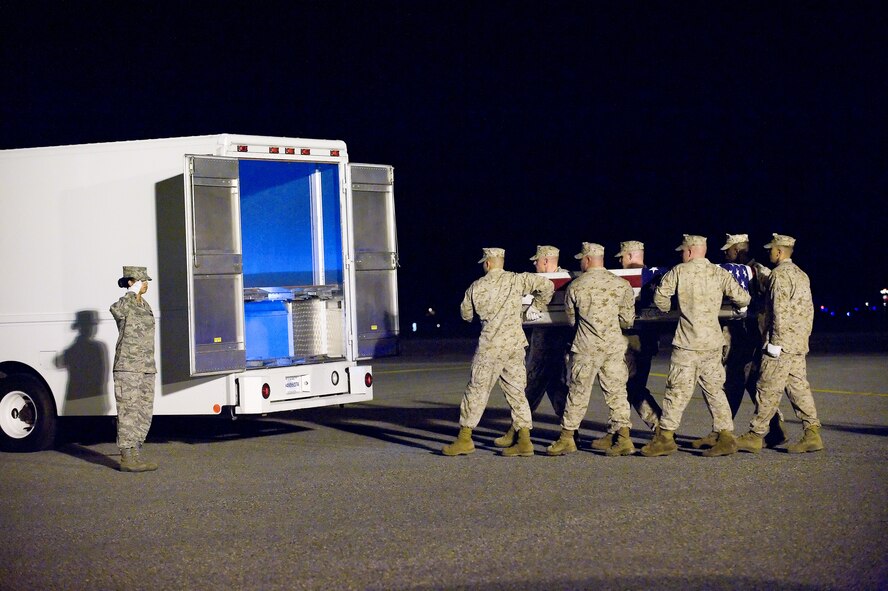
134 370
496 299
697 344
744 341
546 364
790 315
597 302
642 348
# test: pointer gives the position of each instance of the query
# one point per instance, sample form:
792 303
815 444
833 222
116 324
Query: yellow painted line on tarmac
425 369
845 392
821 391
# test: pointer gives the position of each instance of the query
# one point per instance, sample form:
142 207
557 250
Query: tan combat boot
777 433
623 445
131 462
523 448
604 443
463 444
725 446
810 441
751 442
507 439
705 442
663 444
151 465
565 444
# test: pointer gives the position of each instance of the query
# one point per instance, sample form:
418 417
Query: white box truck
251 243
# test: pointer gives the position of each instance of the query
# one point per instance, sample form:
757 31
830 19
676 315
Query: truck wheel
27 415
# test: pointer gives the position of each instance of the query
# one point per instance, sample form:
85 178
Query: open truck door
215 269
376 260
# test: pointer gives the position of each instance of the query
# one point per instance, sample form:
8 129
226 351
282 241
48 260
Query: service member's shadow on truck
86 361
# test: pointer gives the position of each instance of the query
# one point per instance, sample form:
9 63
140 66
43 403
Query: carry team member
642 347
496 299
696 346
744 341
790 319
600 304
546 357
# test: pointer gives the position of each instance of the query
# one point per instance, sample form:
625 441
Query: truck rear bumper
307 386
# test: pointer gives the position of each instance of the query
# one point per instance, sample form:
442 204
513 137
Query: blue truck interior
276 235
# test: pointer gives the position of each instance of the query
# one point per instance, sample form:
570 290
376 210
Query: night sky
509 124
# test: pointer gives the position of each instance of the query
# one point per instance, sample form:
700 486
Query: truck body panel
249 241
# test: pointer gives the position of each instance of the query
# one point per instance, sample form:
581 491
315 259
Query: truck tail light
273 150
241 148
305 152
334 152
368 379
266 391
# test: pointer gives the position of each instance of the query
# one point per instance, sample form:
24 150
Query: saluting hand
142 290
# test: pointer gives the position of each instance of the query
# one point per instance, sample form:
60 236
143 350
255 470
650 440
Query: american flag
742 273
639 277
633 276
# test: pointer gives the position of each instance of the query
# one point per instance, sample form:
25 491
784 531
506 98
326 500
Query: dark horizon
508 125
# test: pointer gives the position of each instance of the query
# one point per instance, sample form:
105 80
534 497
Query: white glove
740 311
773 350
532 314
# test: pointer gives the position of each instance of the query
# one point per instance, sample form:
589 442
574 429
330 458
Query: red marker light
291 151
305 152
334 152
368 379
266 391
241 148
274 150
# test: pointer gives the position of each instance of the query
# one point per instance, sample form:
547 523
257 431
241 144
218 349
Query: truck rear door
376 259
215 273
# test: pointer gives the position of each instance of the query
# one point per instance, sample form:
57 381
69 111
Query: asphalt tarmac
359 497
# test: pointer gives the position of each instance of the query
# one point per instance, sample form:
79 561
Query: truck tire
27 415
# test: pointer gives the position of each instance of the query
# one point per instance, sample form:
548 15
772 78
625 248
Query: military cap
691 240
137 273
732 239
629 246
781 240
492 253
545 251
590 249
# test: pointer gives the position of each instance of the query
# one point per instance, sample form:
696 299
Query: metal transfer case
376 260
